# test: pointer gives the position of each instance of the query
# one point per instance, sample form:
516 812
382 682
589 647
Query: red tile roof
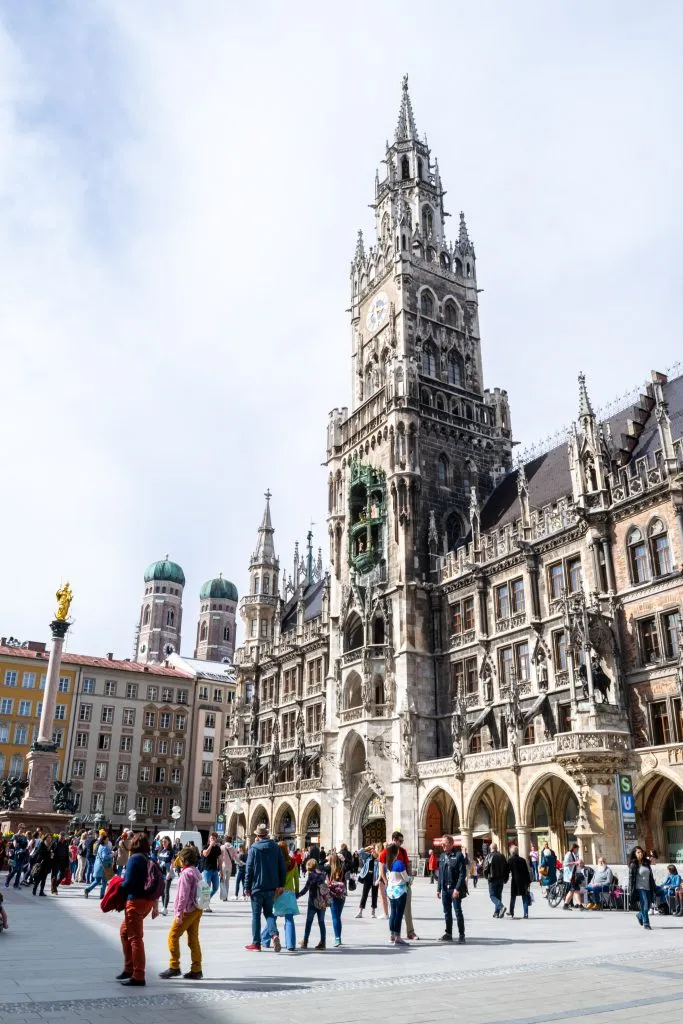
103 663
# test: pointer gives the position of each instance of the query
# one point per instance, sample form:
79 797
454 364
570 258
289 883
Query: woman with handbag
547 868
104 866
335 869
285 905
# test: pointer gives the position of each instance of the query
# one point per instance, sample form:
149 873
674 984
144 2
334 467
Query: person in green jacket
291 886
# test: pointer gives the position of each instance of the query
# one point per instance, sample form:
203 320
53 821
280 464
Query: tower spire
463 237
405 128
265 549
585 407
360 248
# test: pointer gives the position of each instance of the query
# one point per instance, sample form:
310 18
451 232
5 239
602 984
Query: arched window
660 552
427 304
454 369
385 226
452 532
419 167
226 633
458 267
442 470
637 556
170 616
425 397
378 632
145 616
404 244
378 684
428 361
204 631
440 404
468 411
445 261
405 169
450 313
469 270
257 584
266 585
427 221
354 633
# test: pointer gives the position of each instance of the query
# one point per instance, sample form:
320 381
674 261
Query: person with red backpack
143 884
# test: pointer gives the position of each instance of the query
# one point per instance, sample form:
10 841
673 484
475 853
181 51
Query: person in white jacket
228 858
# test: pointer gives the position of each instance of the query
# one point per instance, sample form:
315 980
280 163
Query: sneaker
461 940
193 975
360 914
171 972
446 937
208 910
372 914
337 942
133 982
277 945
164 912
647 927
398 941
567 906
413 937
123 975
86 893
321 945
501 912
254 947
639 919
302 945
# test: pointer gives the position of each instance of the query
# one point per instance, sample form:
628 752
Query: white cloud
180 187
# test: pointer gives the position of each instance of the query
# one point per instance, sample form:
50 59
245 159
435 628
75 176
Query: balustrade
351 714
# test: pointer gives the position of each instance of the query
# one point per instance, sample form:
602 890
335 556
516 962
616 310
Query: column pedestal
524 841
38 795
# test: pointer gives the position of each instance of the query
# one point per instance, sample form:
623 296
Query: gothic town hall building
492 643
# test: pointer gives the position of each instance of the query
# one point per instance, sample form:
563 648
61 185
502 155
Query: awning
531 713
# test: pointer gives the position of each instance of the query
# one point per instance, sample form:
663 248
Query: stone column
466 834
42 756
524 840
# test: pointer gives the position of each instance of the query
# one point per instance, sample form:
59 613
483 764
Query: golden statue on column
64 598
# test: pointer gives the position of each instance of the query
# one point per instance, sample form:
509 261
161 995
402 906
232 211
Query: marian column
42 756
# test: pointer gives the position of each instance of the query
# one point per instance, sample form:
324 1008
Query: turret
259 607
161 612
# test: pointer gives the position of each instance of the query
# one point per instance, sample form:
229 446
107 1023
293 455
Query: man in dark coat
452 888
520 880
42 864
496 872
60 861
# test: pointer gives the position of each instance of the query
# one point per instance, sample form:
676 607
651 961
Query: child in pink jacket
186 917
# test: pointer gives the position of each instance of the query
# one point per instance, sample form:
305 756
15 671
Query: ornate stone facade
485 666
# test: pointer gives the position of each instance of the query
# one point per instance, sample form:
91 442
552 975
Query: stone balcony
512 622
356 714
373 651
463 639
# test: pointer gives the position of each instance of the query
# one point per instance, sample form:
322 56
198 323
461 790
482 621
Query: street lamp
175 814
331 799
132 815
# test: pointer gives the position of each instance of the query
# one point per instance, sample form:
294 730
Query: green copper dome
165 571
220 589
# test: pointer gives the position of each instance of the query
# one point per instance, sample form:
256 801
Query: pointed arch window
659 548
428 361
442 470
257 584
146 616
637 556
405 169
170 617
454 369
427 304
440 404
452 531
266 585
385 226
427 221
203 631
451 314
419 167
226 633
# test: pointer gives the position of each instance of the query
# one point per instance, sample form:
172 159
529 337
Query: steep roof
312 595
111 664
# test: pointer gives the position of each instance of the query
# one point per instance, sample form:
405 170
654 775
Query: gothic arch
442 793
482 793
353 691
258 815
427 302
353 752
536 787
284 816
311 808
353 632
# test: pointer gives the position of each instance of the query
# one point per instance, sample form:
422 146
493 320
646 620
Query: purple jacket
186 893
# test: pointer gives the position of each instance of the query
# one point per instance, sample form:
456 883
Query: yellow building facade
23 672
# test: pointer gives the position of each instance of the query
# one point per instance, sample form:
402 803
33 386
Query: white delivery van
184 837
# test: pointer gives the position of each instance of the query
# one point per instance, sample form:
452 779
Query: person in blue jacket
547 867
264 880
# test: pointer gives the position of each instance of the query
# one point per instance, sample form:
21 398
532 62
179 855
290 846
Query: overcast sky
180 188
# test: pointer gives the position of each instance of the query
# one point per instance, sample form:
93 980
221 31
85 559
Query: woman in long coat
547 867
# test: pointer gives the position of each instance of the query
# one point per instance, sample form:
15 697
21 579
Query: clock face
378 312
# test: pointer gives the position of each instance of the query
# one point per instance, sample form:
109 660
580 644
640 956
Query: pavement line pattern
592 1011
178 996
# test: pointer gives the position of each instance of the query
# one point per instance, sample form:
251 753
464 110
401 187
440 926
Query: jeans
525 901
310 917
239 877
534 871
167 892
212 878
290 932
74 869
336 908
97 880
262 902
132 937
89 868
368 887
189 924
451 903
396 915
645 898
495 892
595 892
15 872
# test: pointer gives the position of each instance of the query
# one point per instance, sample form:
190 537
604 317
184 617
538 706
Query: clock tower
422 445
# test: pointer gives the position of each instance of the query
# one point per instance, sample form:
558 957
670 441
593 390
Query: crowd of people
282 883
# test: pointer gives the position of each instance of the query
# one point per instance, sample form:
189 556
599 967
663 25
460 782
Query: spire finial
585 407
265 550
405 128
360 248
463 237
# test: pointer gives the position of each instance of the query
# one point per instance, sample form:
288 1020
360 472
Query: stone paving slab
61 953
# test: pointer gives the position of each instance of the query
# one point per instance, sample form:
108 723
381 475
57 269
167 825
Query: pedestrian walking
141 900
397 892
73 857
210 871
165 858
368 875
226 865
433 866
452 888
60 862
496 872
186 916
285 905
520 881
533 860
264 880
18 857
641 885
241 871
337 873
103 867
42 864
547 868
82 857
123 852
319 899
397 838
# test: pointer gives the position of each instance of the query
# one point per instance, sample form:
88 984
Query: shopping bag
285 903
223 890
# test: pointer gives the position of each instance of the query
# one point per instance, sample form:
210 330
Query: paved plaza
60 956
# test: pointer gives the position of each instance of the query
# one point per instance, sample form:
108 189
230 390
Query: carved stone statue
601 681
301 731
542 671
63 797
11 793
64 598
407 739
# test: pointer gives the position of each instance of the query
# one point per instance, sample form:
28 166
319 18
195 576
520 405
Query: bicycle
557 892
